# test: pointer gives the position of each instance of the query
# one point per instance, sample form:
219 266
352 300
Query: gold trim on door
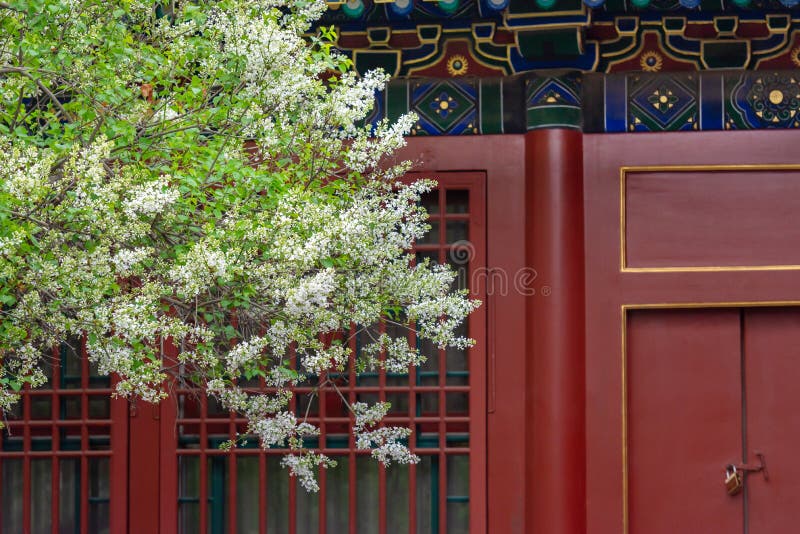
625 170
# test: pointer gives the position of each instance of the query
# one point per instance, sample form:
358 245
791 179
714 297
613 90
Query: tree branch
6 5
53 98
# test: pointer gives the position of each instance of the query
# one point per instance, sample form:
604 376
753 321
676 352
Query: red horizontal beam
329 452
58 422
356 389
328 420
59 454
68 392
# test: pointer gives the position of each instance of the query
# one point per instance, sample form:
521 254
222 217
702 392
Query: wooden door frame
502 499
58 429
502 158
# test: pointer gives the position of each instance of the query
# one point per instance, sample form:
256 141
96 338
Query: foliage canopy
195 173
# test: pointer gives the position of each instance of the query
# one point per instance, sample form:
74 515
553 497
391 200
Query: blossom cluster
386 443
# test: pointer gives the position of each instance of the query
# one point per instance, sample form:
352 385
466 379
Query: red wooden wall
622 274
536 444
607 224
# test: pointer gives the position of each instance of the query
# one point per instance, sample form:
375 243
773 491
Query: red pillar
168 444
118 505
144 469
153 463
555 402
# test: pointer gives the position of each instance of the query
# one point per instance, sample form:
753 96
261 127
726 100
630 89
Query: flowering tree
193 173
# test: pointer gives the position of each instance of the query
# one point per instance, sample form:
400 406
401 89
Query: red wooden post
84 514
55 479
556 469
118 505
144 468
153 483
168 444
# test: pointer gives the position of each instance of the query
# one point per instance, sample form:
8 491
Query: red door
772 370
707 388
684 420
705 232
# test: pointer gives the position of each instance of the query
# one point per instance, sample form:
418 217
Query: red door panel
772 362
684 420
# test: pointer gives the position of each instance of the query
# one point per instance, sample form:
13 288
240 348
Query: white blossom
385 442
150 198
8 244
125 260
399 354
24 170
311 293
368 415
304 467
201 266
245 352
320 360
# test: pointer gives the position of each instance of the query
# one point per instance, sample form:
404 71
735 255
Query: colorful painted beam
626 102
615 37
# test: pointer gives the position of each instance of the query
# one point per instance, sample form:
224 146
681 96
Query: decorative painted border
570 36
595 103
455 106
362 13
743 100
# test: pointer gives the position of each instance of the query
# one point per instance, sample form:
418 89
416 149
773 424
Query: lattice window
55 454
443 401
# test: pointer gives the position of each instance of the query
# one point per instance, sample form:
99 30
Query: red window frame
210 427
84 426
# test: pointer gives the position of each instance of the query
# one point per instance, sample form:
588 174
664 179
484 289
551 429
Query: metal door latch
760 468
